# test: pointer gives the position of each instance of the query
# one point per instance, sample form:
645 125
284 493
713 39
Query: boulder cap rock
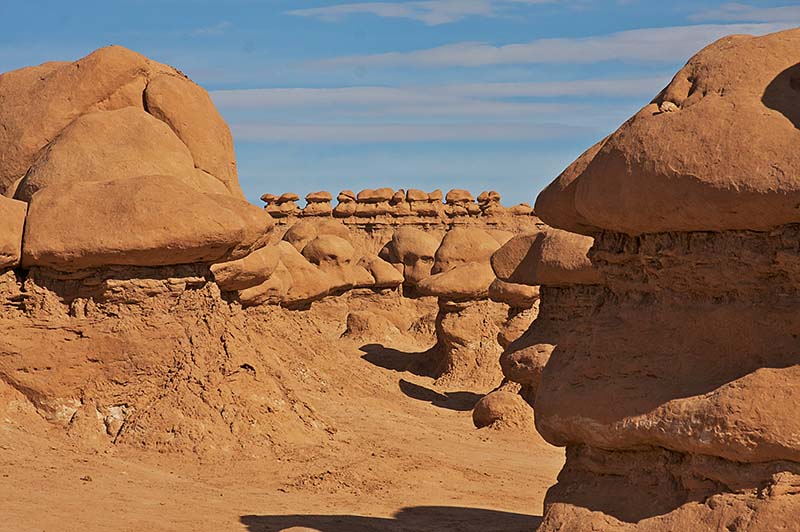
458 195
287 197
723 158
549 257
319 197
141 221
436 195
375 196
467 281
462 245
414 194
268 198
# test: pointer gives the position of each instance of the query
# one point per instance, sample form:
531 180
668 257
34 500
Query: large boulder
551 257
38 103
674 386
189 111
139 221
117 144
669 168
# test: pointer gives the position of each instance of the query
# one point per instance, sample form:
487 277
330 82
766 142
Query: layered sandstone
677 397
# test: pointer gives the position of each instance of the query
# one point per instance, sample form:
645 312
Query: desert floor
405 457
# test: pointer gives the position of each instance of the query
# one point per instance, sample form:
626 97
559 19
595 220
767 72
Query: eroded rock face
676 396
38 103
124 162
122 222
12 222
636 182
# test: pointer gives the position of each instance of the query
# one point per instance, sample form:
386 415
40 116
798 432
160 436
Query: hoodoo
677 398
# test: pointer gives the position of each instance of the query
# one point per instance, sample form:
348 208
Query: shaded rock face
677 394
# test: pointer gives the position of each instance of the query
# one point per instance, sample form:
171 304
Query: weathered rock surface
38 103
645 178
675 390
140 221
12 222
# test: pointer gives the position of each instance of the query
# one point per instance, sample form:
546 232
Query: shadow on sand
416 519
460 401
396 360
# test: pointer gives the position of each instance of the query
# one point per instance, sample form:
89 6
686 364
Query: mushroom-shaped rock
268 198
117 144
141 221
398 197
551 257
304 231
463 245
287 197
521 209
413 252
12 222
252 270
458 196
734 165
322 196
375 196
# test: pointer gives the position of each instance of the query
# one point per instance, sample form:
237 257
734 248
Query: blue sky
476 94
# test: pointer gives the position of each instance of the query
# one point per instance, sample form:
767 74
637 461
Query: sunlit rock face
677 397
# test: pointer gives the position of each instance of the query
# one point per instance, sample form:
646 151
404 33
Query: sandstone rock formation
412 251
677 394
123 162
12 222
318 204
555 263
38 103
399 207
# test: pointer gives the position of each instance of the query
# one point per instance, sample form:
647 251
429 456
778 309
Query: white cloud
746 13
378 133
661 45
430 12
469 94
217 29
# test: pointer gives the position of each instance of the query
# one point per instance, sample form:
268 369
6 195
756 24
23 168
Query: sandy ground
405 458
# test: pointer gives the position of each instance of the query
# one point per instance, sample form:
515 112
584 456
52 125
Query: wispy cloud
661 45
746 13
430 12
217 29
380 133
430 97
